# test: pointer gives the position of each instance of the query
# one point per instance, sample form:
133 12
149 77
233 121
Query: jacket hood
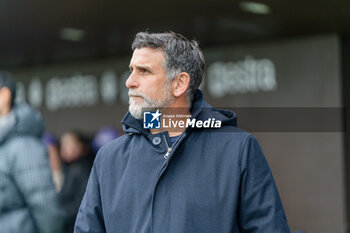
22 120
200 110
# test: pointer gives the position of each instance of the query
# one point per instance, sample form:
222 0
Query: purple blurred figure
52 146
103 136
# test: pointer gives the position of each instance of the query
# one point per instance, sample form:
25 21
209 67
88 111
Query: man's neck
4 111
5 119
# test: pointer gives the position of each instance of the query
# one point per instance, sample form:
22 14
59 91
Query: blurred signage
77 90
89 87
249 75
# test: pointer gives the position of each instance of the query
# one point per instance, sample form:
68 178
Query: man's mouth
135 96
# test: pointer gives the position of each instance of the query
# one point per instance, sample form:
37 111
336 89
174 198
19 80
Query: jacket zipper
166 156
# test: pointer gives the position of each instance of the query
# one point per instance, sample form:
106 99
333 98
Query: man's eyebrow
141 67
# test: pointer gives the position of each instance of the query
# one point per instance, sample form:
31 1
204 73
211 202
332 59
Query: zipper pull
166 156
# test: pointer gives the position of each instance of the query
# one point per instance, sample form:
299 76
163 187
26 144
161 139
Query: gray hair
6 80
181 55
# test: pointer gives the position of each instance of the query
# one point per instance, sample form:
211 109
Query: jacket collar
7 125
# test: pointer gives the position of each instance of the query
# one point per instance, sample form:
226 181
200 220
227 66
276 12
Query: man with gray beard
178 180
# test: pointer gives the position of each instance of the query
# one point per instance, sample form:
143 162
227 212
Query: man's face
71 148
147 83
5 100
1 100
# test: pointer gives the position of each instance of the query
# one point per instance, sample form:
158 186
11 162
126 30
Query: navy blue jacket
212 181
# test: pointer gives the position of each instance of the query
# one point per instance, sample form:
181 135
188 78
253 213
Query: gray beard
150 104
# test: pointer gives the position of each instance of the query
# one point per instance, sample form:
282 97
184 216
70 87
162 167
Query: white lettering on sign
249 75
109 86
78 90
20 92
35 92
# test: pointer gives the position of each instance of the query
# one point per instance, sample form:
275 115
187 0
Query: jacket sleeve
260 207
32 175
90 218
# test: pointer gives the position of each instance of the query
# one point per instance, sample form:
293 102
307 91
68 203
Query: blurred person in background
77 162
52 146
103 136
28 200
187 180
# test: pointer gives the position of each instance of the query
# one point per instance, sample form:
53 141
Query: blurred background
70 60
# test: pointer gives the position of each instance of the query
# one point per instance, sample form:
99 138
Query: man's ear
180 84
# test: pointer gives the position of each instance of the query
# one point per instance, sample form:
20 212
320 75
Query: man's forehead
147 56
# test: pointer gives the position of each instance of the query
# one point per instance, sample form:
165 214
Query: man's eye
144 71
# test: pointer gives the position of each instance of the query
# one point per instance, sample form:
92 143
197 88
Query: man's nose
132 82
